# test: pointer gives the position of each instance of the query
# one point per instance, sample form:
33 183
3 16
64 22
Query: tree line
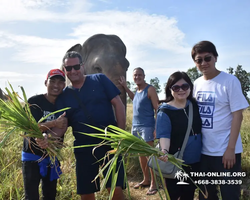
193 73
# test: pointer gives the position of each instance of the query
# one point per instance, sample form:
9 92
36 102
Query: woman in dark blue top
171 126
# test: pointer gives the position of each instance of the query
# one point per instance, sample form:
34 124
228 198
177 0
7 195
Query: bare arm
152 95
119 112
59 132
229 156
123 83
165 145
59 128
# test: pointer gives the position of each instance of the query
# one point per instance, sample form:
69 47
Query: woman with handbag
171 129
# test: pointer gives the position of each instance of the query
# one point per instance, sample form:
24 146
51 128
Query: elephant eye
97 69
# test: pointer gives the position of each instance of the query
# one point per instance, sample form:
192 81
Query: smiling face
205 62
138 77
183 92
55 85
75 76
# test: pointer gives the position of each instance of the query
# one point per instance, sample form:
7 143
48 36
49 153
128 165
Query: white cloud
136 28
32 83
40 3
138 31
153 41
7 75
33 10
34 49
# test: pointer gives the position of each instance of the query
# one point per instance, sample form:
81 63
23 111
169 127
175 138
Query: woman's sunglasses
206 59
184 87
69 68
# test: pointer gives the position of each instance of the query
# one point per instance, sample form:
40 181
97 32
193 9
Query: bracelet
165 150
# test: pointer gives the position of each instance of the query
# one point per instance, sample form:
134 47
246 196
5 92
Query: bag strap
83 107
190 122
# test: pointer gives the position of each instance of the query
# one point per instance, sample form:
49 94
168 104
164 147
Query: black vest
179 123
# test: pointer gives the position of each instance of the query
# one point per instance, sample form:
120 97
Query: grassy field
11 175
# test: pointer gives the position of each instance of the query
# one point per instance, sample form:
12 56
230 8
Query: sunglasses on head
69 68
184 87
206 59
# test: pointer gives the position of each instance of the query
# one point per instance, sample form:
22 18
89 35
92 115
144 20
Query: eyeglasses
206 59
184 87
69 68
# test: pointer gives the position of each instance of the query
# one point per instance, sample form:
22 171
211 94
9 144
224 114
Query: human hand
122 81
154 133
228 158
164 158
43 142
61 121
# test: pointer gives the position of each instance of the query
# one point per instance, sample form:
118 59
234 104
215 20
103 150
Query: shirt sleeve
163 125
35 110
110 89
237 100
60 105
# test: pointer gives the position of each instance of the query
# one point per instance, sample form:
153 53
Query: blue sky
158 34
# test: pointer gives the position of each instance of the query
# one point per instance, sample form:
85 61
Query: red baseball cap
55 72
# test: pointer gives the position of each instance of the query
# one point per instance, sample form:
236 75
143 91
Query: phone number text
218 182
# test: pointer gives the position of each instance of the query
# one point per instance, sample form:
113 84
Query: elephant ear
121 47
77 48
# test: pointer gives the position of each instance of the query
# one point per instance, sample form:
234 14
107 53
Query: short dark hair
202 47
72 54
139 68
175 77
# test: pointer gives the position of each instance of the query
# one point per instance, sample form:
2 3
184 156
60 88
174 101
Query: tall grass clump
19 118
245 136
129 117
124 144
11 167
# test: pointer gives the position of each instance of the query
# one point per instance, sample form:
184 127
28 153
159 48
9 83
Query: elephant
104 54
2 96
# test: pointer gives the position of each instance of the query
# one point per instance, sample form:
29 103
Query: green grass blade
6 137
52 113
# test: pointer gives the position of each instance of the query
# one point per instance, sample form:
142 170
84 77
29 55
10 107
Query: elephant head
105 54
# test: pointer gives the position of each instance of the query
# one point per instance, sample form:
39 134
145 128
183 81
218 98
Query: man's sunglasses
184 87
69 68
206 59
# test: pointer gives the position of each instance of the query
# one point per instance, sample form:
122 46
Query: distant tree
132 86
244 78
156 83
164 86
128 84
193 73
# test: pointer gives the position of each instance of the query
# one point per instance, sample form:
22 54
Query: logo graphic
206 103
49 118
181 176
